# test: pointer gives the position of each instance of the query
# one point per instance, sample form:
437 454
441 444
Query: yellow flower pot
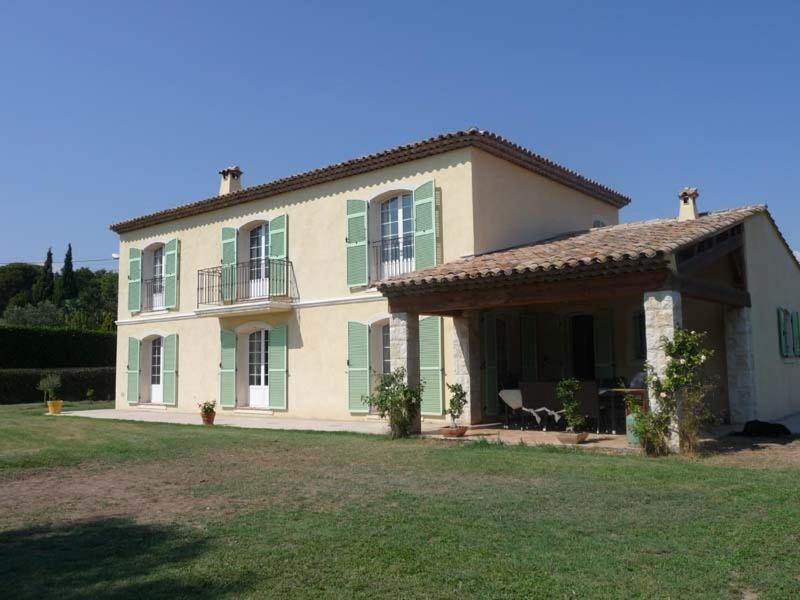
54 406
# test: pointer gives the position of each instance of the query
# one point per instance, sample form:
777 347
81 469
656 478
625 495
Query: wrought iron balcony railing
153 294
262 279
393 255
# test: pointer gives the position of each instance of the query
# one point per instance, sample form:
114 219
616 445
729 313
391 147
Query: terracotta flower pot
453 431
568 437
54 407
208 417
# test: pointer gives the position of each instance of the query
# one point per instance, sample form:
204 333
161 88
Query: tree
69 285
44 286
44 314
16 281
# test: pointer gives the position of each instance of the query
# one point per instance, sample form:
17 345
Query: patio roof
630 247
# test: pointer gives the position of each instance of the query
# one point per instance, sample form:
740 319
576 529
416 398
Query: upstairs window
396 247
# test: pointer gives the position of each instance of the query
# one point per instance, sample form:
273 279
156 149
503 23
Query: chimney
230 181
688 197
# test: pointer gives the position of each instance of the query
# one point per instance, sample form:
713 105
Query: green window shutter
134 280
603 346
171 273
796 332
430 365
278 342
133 370
170 369
278 251
425 226
357 366
229 235
227 369
489 345
529 355
782 333
356 244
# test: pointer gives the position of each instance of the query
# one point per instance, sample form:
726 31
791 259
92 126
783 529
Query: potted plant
207 411
458 400
565 392
49 384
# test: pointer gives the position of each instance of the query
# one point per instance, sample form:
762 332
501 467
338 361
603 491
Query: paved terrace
491 432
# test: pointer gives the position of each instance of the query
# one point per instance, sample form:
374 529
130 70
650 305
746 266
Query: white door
258 372
158 278
397 236
156 390
259 261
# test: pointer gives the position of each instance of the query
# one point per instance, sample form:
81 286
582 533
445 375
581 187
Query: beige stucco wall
773 279
317 326
514 206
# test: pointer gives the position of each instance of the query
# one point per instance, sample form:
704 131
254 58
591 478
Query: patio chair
513 401
541 394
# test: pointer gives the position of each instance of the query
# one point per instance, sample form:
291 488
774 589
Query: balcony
254 286
153 294
393 256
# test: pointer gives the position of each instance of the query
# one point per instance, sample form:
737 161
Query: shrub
37 348
458 400
20 385
398 401
49 384
565 392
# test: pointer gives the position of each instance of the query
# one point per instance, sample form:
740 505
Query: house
462 258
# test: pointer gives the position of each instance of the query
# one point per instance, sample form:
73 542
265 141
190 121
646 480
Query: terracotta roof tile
628 242
478 138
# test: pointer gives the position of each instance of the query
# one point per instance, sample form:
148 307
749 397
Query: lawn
94 508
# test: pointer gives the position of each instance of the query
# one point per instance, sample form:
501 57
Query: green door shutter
278 252
425 226
356 244
134 280
227 369
530 367
171 273
489 345
278 341
133 371
170 370
430 365
357 366
228 282
603 346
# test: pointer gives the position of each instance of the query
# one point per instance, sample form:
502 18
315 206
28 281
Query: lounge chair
513 400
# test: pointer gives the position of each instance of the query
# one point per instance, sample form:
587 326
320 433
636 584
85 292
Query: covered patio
593 305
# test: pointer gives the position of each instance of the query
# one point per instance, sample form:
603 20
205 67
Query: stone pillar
663 314
741 370
404 349
467 364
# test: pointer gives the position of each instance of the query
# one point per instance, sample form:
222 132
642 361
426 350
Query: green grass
275 514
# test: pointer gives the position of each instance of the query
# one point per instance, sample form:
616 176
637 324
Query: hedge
19 385
40 348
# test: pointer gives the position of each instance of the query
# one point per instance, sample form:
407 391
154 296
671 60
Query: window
259 251
386 362
258 372
396 246
158 270
155 362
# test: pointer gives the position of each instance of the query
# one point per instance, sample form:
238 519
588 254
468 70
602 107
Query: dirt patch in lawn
774 453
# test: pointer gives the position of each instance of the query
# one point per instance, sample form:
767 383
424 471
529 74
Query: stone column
741 370
663 314
404 349
467 364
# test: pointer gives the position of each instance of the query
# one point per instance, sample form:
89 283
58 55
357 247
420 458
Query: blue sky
109 110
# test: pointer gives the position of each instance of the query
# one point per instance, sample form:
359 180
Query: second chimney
231 180
688 210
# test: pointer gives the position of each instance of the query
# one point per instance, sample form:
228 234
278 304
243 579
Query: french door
156 363
258 369
259 261
397 236
158 278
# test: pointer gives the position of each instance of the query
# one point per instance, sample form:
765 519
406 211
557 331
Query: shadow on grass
108 558
731 444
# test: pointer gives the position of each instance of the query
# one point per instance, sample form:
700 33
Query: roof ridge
482 139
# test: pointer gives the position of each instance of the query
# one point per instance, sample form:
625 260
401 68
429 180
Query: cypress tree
69 286
43 288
